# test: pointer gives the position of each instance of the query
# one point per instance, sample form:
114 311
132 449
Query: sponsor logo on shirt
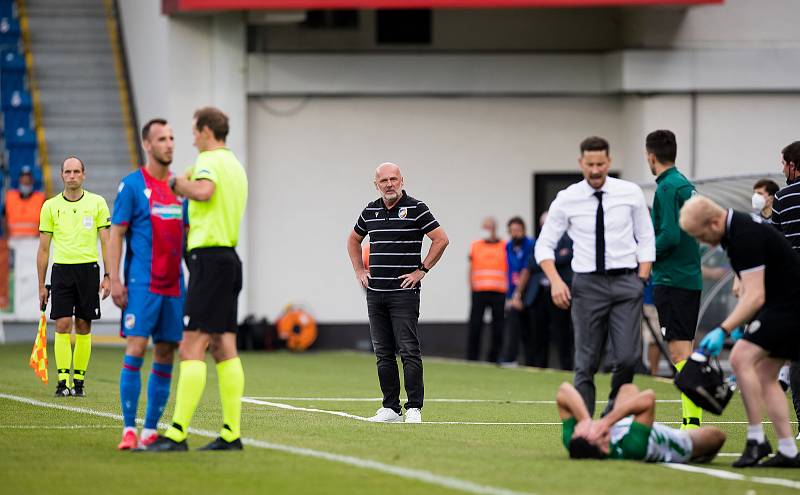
167 212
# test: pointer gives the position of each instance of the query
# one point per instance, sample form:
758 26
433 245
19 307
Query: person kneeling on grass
629 432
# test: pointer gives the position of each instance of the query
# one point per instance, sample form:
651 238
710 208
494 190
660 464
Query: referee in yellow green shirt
217 191
72 222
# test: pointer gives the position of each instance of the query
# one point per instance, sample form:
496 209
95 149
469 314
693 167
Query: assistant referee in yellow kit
217 191
72 221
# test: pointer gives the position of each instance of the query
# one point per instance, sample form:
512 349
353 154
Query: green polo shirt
216 222
677 253
73 225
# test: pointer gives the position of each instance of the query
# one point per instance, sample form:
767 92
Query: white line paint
287 407
727 475
408 473
459 401
55 427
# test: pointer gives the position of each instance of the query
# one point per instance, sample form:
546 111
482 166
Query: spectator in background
23 206
488 275
763 196
549 321
519 250
786 218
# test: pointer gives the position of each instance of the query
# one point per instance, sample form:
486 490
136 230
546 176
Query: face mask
758 202
25 190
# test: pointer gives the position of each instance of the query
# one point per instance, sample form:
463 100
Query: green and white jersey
664 444
635 441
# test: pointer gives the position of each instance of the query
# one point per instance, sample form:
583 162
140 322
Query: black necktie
599 235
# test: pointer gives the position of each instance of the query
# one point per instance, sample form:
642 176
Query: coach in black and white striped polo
396 224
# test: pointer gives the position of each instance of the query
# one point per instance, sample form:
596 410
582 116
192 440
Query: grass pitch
297 451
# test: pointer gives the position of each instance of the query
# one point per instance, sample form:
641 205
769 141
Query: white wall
312 168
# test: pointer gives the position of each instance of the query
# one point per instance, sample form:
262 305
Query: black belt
616 272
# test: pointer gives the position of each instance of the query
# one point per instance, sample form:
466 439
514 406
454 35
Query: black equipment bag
702 380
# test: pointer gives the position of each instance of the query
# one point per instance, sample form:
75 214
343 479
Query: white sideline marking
278 405
413 474
465 401
54 427
727 475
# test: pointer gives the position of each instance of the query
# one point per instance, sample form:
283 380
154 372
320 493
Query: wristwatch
422 268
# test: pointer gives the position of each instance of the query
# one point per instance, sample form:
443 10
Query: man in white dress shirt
613 251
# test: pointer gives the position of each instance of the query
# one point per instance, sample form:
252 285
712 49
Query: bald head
389 182
387 168
72 173
703 219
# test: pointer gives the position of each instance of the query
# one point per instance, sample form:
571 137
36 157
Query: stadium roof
187 6
730 192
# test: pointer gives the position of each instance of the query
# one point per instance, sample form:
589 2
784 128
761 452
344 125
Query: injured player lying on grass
629 432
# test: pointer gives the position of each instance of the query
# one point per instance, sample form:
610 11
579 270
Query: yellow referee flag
38 359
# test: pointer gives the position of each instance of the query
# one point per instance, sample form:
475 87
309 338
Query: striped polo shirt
786 213
395 239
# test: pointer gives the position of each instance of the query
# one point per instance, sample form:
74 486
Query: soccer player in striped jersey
150 217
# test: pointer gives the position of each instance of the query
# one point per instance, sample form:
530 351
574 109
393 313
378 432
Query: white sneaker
413 415
385 415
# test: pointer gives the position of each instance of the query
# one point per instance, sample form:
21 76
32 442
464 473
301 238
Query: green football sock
231 388
83 350
191 383
62 347
692 414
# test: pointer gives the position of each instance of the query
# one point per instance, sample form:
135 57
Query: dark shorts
776 330
74 290
215 281
678 310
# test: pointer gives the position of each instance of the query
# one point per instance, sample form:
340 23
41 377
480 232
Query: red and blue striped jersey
155 218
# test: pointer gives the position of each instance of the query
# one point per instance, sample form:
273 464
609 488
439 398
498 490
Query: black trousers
550 323
393 327
794 383
480 301
518 329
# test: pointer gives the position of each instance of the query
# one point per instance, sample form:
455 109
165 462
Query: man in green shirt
677 280
72 221
629 431
217 191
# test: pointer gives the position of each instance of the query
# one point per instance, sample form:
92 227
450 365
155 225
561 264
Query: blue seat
12 72
21 146
9 31
8 8
17 107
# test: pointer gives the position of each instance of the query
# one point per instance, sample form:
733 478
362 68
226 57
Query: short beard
161 162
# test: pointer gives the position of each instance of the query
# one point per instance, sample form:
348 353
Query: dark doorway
545 188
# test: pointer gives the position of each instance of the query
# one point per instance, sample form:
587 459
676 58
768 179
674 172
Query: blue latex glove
712 343
737 334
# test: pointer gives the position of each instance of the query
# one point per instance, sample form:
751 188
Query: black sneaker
753 452
781 461
164 444
77 388
220 444
62 390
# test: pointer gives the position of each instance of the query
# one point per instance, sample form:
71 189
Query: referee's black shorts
678 310
774 329
215 281
74 290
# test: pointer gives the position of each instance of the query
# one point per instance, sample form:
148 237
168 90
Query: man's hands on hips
363 278
410 280
560 293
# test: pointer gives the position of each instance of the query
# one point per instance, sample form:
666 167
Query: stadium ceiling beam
189 6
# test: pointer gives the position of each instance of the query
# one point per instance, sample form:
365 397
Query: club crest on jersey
88 222
403 212
130 321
